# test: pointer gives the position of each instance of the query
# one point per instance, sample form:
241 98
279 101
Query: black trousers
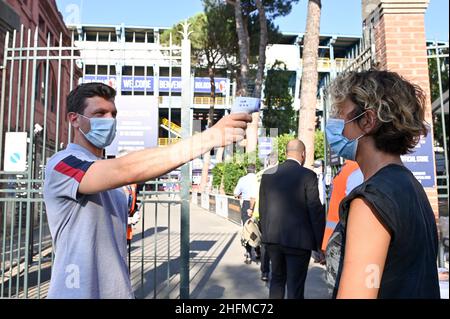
297 263
289 268
265 260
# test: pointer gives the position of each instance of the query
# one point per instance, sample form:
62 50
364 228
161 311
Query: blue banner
420 162
141 83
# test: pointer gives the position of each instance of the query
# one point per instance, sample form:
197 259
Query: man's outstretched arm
146 164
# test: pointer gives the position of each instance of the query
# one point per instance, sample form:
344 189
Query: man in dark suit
292 221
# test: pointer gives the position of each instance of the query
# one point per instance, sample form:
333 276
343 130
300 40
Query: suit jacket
291 213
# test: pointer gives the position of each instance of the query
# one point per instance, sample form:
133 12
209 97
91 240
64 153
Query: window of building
127 70
139 36
101 36
39 93
101 69
89 69
53 95
138 70
107 36
42 25
164 71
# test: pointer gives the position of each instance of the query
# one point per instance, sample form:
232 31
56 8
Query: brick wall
43 14
400 44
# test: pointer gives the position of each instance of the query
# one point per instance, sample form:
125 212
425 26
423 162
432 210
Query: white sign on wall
205 201
222 205
15 159
137 124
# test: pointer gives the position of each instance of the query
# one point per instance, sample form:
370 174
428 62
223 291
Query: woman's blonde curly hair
399 106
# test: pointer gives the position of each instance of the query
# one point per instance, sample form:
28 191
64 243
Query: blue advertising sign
108 80
420 162
141 83
203 85
137 124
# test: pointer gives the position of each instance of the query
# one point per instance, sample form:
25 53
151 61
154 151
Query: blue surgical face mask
339 144
102 132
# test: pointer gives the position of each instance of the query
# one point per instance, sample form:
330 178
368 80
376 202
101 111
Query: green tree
197 24
207 38
279 112
435 93
244 10
433 73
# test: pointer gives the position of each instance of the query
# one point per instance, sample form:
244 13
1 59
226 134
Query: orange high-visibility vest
337 195
129 232
130 191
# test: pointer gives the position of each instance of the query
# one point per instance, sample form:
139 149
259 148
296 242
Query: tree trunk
308 91
243 42
252 130
263 39
207 156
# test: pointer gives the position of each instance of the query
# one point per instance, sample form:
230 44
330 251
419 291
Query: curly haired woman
385 245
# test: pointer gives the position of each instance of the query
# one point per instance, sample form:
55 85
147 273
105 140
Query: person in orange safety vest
348 178
131 192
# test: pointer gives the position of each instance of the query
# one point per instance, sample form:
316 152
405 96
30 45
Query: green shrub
319 141
280 143
217 174
230 172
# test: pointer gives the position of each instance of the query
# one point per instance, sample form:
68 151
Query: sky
338 16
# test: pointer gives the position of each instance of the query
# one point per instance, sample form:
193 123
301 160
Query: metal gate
38 71
438 62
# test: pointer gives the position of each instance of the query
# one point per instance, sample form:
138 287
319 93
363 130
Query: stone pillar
398 33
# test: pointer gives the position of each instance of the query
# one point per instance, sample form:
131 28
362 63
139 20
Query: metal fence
32 77
438 60
154 251
38 72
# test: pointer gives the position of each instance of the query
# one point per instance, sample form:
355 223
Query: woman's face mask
339 144
102 132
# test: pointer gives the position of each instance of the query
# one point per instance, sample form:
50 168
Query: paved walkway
217 268
232 278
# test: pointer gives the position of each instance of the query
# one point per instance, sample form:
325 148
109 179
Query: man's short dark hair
251 168
76 101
